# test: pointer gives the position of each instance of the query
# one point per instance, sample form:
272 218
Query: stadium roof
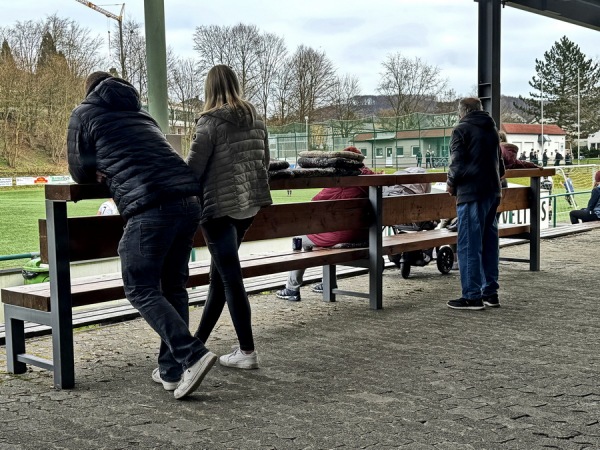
585 13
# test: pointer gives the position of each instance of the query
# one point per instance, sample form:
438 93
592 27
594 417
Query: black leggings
223 237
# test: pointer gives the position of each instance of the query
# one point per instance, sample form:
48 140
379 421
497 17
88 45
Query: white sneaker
194 375
240 360
168 385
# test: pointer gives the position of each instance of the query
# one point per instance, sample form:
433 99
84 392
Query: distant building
593 141
529 137
400 149
391 149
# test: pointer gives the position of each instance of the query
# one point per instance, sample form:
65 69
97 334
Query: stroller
444 256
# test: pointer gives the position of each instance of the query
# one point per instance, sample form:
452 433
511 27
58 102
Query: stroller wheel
445 260
405 270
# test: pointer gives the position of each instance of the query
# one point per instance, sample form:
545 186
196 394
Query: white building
528 137
593 141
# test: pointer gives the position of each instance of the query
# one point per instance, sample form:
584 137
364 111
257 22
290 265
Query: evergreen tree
556 80
47 51
6 56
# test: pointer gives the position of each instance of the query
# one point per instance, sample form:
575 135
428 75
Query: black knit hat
94 79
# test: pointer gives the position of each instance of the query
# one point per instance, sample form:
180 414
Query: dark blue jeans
223 238
478 247
155 251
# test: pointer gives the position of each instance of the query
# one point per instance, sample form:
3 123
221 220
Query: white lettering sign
4 182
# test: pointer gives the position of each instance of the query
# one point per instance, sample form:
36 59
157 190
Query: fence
386 142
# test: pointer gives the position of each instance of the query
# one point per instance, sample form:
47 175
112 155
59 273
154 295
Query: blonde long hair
222 87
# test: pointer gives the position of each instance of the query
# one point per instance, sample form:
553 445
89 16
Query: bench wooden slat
421 240
271 222
98 289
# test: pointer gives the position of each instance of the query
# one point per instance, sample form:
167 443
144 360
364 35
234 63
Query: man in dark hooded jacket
113 141
474 175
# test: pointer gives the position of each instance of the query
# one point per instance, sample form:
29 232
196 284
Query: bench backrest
435 206
97 237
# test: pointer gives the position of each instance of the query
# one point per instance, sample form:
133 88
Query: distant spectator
558 158
592 212
545 158
328 239
568 159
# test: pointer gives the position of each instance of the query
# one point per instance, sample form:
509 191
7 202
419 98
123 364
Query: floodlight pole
578 117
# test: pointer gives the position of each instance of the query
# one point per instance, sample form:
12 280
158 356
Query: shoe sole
492 305
167 385
210 361
289 299
470 308
237 366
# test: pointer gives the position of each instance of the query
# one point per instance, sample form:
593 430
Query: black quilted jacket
476 162
112 138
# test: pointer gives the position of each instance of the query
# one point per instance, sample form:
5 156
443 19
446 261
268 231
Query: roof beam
585 13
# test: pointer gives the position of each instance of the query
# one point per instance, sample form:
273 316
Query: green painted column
156 62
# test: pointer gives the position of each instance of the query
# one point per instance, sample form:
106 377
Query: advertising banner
6 182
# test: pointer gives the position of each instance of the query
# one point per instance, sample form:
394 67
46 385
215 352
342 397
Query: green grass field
20 209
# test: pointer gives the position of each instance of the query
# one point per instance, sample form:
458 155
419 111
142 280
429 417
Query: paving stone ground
414 375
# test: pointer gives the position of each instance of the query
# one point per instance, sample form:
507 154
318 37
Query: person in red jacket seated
295 277
509 155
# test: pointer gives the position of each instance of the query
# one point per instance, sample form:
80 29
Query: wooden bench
64 240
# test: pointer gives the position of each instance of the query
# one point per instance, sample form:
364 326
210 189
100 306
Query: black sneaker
465 303
289 294
491 301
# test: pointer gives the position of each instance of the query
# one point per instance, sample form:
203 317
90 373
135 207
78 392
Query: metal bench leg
375 252
329 279
60 295
15 343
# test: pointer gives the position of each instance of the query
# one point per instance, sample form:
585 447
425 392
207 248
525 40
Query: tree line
43 64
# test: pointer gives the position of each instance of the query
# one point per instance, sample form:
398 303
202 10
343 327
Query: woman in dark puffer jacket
230 156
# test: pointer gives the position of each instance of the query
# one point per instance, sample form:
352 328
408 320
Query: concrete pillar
156 62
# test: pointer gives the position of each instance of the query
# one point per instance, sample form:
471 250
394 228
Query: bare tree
410 85
184 87
271 58
282 89
134 55
237 47
213 44
313 75
342 100
40 83
75 43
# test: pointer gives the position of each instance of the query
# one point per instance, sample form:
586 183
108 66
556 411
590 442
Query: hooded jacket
111 138
332 238
476 164
509 156
230 156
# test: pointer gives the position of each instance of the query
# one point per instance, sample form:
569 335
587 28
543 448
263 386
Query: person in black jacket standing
474 175
113 141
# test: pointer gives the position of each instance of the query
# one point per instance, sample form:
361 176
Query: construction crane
119 20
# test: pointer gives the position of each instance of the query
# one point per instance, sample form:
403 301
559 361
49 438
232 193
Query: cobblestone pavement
415 375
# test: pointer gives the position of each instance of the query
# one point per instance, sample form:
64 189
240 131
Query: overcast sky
355 35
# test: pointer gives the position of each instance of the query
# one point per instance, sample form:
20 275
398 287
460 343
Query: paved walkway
415 375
